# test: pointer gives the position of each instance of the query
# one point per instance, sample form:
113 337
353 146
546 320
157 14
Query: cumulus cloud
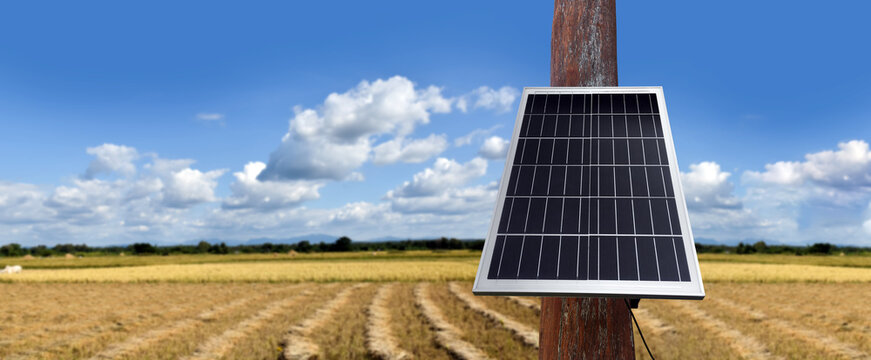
188 187
148 201
867 224
500 100
449 201
181 186
468 138
847 167
823 198
331 142
361 211
409 151
249 192
109 158
443 175
86 201
707 187
440 189
494 148
715 210
22 204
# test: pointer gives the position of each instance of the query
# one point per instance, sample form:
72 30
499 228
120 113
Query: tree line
760 247
342 244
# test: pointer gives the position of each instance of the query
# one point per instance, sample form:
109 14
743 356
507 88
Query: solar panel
590 202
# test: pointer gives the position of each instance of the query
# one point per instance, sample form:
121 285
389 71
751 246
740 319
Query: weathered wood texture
584 43
585 328
584 53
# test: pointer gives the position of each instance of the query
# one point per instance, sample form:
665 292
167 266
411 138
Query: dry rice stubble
447 335
298 343
380 338
527 334
186 342
134 344
116 321
496 341
265 341
415 334
808 306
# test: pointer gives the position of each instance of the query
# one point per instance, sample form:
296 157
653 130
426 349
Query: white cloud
361 212
867 224
848 167
333 142
445 174
180 185
188 187
714 209
22 204
706 187
148 204
480 199
409 151
494 148
439 190
355 176
467 139
111 158
824 198
248 192
210 116
500 100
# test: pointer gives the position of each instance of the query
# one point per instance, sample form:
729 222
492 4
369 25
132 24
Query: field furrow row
218 346
135 343
447 335
747 346
297 342
833 347
534 305
525 333
380 339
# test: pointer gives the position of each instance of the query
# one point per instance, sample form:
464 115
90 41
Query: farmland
402 305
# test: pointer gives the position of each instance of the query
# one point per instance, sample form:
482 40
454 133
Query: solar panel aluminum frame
693 289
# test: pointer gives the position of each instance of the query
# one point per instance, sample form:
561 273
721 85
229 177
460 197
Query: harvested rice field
412 317
426 320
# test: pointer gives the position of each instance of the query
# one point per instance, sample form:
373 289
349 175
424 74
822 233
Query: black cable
639 329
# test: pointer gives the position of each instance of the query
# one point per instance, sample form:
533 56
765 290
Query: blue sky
168 122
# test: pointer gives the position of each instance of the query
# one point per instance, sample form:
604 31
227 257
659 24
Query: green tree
760 247
12 249
203 247
820 248
343 244
219 249
40 250
304 246
744 249
143 248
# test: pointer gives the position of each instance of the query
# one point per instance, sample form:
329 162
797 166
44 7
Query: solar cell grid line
676 261
587 165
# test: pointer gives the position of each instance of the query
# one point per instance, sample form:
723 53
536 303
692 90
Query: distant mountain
312 238
748 241
394 238
385 238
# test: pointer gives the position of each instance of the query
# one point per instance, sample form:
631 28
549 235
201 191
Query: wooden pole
584 53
